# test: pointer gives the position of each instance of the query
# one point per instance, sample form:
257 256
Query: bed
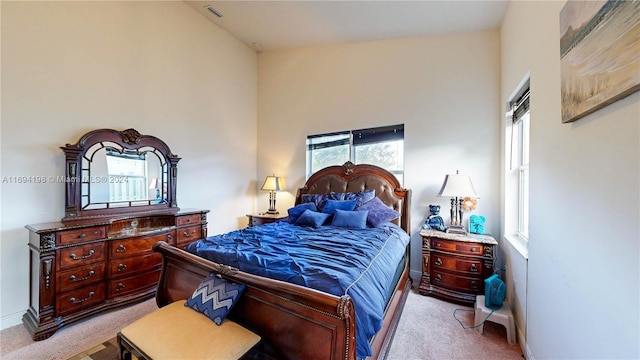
301 316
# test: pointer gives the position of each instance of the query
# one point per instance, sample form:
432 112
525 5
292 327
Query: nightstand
264 218
454 266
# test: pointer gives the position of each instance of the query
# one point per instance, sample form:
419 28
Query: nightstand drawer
458 247
454 282
468 266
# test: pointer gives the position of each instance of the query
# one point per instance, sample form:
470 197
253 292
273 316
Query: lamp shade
458 186
273 183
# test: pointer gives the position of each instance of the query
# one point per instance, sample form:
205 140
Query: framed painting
599 54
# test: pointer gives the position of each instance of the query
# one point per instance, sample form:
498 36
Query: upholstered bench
177 332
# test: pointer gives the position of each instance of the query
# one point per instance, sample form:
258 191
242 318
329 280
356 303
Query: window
518 170
381 146
131 173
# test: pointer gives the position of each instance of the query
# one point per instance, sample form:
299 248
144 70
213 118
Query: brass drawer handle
473 268
73 300
75 257
438 262
120 287
122 267
121 248
73 277
189 235
438 277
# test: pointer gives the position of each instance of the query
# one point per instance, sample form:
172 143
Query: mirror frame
129 139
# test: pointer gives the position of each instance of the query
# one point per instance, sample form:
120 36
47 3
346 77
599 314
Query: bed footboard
294 322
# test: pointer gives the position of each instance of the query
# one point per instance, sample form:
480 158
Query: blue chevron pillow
215 297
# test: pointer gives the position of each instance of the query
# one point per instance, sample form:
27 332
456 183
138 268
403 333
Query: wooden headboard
353 178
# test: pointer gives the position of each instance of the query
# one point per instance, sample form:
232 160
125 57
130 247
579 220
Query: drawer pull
473 268
73 300
82 236
473 250
120 287
75 257
73 277
474 285
122 267
121 248
169 238
189 220
189 235
438 262
438 277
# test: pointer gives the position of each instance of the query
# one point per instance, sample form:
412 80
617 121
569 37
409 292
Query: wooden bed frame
296 322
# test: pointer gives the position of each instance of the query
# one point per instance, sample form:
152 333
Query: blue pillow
361 196
296 211
215 297
379 213
318 199
311 218
332 205
350 219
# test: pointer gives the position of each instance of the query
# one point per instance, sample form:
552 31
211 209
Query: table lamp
457 187
272 184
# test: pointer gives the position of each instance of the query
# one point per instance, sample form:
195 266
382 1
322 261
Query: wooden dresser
454 267
81 269
120 199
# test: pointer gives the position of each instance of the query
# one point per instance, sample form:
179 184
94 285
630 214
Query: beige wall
158 67
581 285
445 89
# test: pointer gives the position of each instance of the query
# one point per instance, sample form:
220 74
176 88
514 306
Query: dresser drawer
188 220
140 283
468 248
80 255
78 299
81 235
80 276
469 266
188 235
134 246
129 266
455 282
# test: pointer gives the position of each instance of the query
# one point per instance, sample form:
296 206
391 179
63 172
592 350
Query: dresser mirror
111 172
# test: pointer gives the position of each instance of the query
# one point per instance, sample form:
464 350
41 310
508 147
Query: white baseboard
415 276
11 320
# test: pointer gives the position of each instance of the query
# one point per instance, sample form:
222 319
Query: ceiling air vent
214 11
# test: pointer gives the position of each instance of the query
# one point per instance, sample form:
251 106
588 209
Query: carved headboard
353 178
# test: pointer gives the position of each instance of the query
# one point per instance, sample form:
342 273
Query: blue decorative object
296 211
379 213
476 224
434 221
350 219
494 292
215 297
312 218
332 205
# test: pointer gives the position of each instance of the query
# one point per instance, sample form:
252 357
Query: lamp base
456 229
272 212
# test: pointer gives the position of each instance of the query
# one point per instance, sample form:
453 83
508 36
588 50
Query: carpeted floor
427 330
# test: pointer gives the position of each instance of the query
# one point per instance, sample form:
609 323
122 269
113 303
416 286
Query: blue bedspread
338 261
